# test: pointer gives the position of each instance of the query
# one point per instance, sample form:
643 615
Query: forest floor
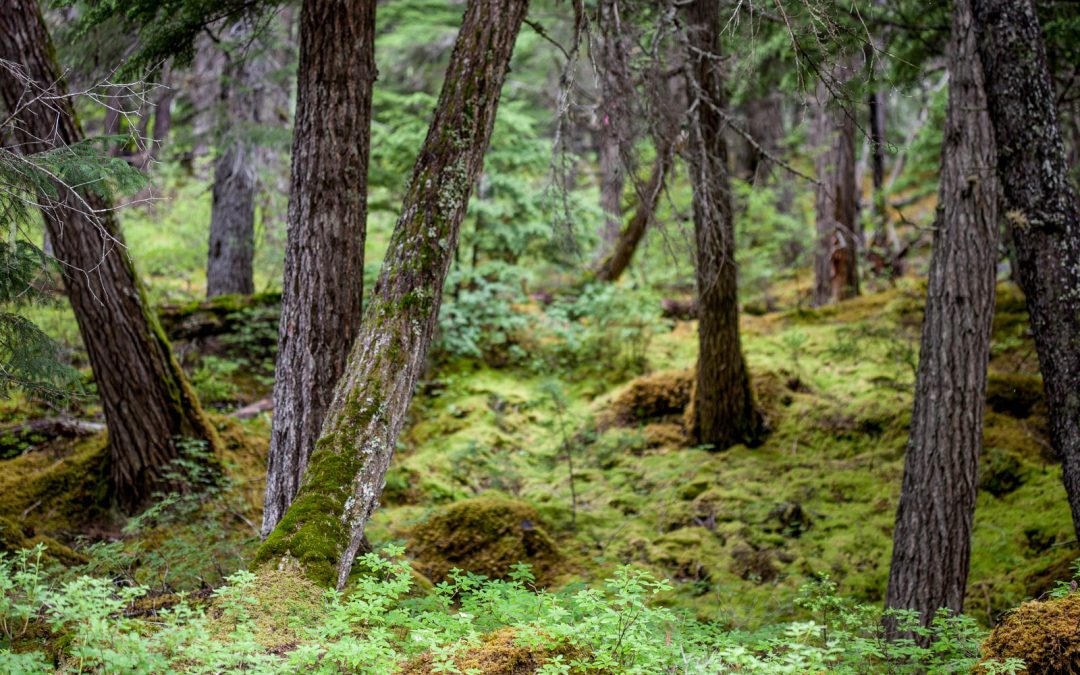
586 468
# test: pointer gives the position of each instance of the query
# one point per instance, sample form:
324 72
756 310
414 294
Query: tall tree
147 401
932 538
836 274
324 255
1040 208
232 215
723 411
324 526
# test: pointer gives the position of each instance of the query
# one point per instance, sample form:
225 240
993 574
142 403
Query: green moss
1046 635
312 531
485 535
279 606
58 487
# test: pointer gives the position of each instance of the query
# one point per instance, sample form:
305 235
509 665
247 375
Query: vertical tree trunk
836 274
612 181
616 120
324 526
723 411
232 216
1040 207
932 539
147 401
162 118
324 256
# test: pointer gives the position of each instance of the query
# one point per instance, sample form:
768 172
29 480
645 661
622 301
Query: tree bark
932 538
324 526
147 401
1040 208
623 248
723 411
836 274
324 256
615 121
232 216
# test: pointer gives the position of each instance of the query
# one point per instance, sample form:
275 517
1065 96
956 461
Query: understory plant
382 624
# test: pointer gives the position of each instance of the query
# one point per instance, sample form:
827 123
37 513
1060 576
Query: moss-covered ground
603 467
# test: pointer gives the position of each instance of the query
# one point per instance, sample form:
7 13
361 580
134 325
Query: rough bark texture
616 120
723 411
147 401
835 269
613 265
232 216
1040 207
932 539
324 526
324 256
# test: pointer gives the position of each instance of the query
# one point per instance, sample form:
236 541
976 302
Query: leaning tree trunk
147 401
324 257
232 215
835 268
1040 207
723 412
613 265
932 539
324 526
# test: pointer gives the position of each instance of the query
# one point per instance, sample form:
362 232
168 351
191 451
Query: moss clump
485 535
14 537
277 607
1014 394
60 486
498 653
654 397
1045 634
665 435
1001 472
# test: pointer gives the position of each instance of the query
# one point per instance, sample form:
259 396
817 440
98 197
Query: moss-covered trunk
932 539
148 402
1040 207
723 411
324 257
324 526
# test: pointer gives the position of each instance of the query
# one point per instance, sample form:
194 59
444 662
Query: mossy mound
484 535
658 396
14 537
278 605
498 653
1045 634
58 487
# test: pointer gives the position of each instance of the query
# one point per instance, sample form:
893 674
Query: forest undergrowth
560 447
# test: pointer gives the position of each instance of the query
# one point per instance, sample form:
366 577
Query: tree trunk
836 274
723 412
932 539
324 256
612 181
162 118
1040 207
613 266
324 526
232 216
616 120
147 401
